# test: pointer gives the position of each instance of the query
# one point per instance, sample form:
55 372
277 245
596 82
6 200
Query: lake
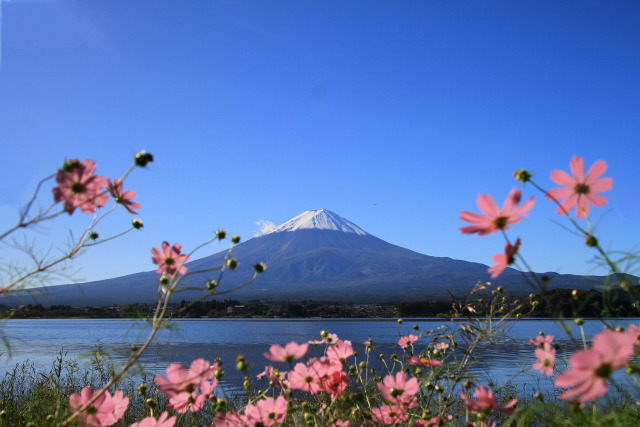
41 340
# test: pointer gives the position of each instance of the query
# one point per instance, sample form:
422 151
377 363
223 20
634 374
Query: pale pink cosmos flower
422 361
439 347
386 414
340 351
288 353
169 259
486 401
546 359
80 188
267 412
400 389
590 368
405 341
163 421
328 339
541 339
580 190
105 411
126 198
494 218
335 383
505 259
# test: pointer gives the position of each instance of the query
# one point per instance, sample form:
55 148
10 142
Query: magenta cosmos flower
163 421
169 259
288 353
486 401
505 259
546 359
105 411
580 190
126 198
590 368
80 188
267 411
494 218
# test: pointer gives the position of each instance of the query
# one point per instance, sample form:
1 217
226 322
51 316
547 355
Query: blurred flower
125 199
80 188
267 412
590 368
288 353
486 401
580 190
399 389
541 339
502 260
495 219
405 341
386 414
169 259
160 422
546 359
422 361
105 411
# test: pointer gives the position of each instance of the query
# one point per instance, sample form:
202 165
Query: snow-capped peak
321 219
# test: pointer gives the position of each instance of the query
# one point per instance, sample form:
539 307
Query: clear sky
393 114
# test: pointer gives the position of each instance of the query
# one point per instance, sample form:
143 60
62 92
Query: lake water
40 341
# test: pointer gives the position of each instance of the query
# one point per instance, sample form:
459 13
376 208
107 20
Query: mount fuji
317 255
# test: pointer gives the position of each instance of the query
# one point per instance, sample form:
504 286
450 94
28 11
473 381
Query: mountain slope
317 255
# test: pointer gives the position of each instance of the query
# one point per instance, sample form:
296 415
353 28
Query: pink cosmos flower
441 346
126 198
105 411
230 419
160 422
308 377
546 359
267 411
422 361
580 190
80 188
335 383
400 389
502 260
590 368
169 259
634 331
541 339
329 339
179 380
289 353
340 351
405 341
386 414
486 401
276 377
495 219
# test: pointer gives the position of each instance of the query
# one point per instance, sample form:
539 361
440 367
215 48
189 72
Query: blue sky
394 115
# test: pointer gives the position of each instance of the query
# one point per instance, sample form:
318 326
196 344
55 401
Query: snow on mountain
320 219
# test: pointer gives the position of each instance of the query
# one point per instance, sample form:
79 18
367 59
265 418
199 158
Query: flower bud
362 365
242 366
579 321
70 165
235 239
308 417
539 396
164 279
416 327
591 241
93 235
221 234
142 389
211 285
232 264
150 403
323 333
142 158
218 374
399 321
260 267
418 371
467 384
522 175
133 348
137 224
